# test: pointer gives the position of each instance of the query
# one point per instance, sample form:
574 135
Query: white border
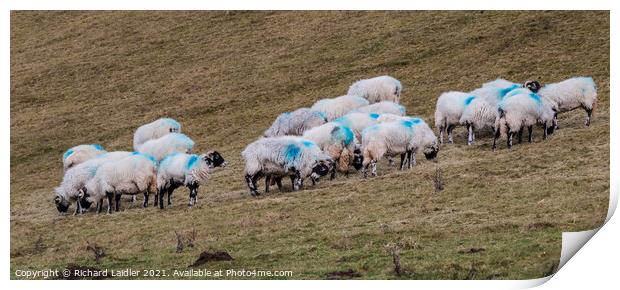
594 264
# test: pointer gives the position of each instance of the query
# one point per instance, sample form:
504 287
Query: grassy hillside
94 77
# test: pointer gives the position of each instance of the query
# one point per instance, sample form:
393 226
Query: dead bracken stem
179 242
191 237
437 179
97 251
394 250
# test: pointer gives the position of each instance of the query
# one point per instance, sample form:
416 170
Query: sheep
295 123
78 154
291 156
524 109
383 107
357 122
189 170
339 106
337 141
448 111
382 88
154 130
167 144
76 177
402 137
573 93
134 174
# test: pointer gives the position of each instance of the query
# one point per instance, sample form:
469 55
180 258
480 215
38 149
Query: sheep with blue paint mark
167 144
337 107
337 141
155 130
383 107
78 154
524 109
448 112
402 137
295 122
357 122
573 93
281 156
377 89
134 174
189 170
74 180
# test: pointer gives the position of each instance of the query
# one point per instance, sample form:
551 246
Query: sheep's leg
509 141
133 199
529 134
267 183
170 191
110 196
117 199
279 183
160 197
520 135
391 161
545 133
402 161
589 111
373 167
555 121
495 137
333 173
145 204
100 206
78 207
250 180
412 161
365 170
297 181
470 134
441 129
193 193
450 128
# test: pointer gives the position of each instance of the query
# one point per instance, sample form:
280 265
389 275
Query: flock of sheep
355 130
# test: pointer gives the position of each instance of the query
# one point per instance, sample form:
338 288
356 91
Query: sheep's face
358 159
214 159
62 204
533 86
321 168
83 199
430 151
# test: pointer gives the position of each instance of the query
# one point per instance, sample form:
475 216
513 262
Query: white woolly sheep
76 177
291 156
134 174
573 93
384 107
357 122
189 170
295 123
377 89
339 106
525 109
337 141
167 144
78 154
448 111
402 137
154 130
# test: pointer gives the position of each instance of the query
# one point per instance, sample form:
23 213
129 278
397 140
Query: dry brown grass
93 77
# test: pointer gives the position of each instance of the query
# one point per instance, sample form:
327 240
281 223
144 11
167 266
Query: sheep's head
214 159
321 168
431 150
83 199
358 158
533 86
62 204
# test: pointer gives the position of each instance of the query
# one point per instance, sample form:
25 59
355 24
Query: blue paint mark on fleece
147 156
406 123
191 161
308 143
291 152
376 116
67 154
415 121
469 99
344 120
501 93
536 98
97 146
344 134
